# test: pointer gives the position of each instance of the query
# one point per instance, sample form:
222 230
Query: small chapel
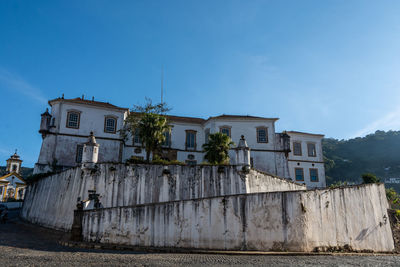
12 185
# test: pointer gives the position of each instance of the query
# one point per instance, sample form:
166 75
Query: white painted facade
61 144
306 161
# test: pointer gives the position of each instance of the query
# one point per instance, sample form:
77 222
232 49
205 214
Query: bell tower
14 164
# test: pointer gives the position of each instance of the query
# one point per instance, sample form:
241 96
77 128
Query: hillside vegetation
347 160
25 172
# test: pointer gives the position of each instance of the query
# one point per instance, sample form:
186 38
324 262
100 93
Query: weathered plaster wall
51 201
284 221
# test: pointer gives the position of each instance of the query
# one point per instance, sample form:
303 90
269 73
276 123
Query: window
297 148
48 121
167 140
73 119
136 137
206 136
311 150
299 173
190 139
1 190
14 168
314 175
110 125
262 135
225 130
79 152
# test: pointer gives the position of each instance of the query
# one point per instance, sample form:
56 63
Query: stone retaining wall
351 218
51 201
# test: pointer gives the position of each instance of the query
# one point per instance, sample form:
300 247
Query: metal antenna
162 82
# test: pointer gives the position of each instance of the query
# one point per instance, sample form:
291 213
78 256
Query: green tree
369 178
150 124
393 198
217 148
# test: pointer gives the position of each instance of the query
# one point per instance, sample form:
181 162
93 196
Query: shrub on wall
369 178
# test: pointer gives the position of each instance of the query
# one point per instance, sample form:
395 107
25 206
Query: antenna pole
162 82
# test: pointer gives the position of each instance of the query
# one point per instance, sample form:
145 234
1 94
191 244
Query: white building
69 124
306 161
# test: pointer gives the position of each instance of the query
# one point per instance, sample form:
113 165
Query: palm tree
150 125
217 148
151 129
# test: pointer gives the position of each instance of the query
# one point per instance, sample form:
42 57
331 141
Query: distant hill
25 172
378 153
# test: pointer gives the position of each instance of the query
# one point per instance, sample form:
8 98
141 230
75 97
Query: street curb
87 245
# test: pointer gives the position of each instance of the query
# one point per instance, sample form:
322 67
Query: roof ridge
12 173
87 101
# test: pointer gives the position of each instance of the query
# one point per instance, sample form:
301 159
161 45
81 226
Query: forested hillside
25 172
378 153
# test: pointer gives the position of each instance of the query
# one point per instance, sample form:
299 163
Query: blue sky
330 67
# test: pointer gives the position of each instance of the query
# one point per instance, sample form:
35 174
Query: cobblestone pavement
24 244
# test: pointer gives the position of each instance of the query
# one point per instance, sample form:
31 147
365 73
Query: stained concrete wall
50 201
284 221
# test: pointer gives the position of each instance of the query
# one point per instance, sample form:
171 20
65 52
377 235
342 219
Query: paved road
28 245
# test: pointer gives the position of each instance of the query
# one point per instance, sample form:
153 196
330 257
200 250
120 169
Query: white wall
178 135
51 201
306 166
280 221
246 127
304 139
91 119
63 147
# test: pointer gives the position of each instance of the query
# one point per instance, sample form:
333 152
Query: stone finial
46 113
242 154
242 143
91 140
90 152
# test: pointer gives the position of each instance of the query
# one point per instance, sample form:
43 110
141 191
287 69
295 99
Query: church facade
12 185
67 126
